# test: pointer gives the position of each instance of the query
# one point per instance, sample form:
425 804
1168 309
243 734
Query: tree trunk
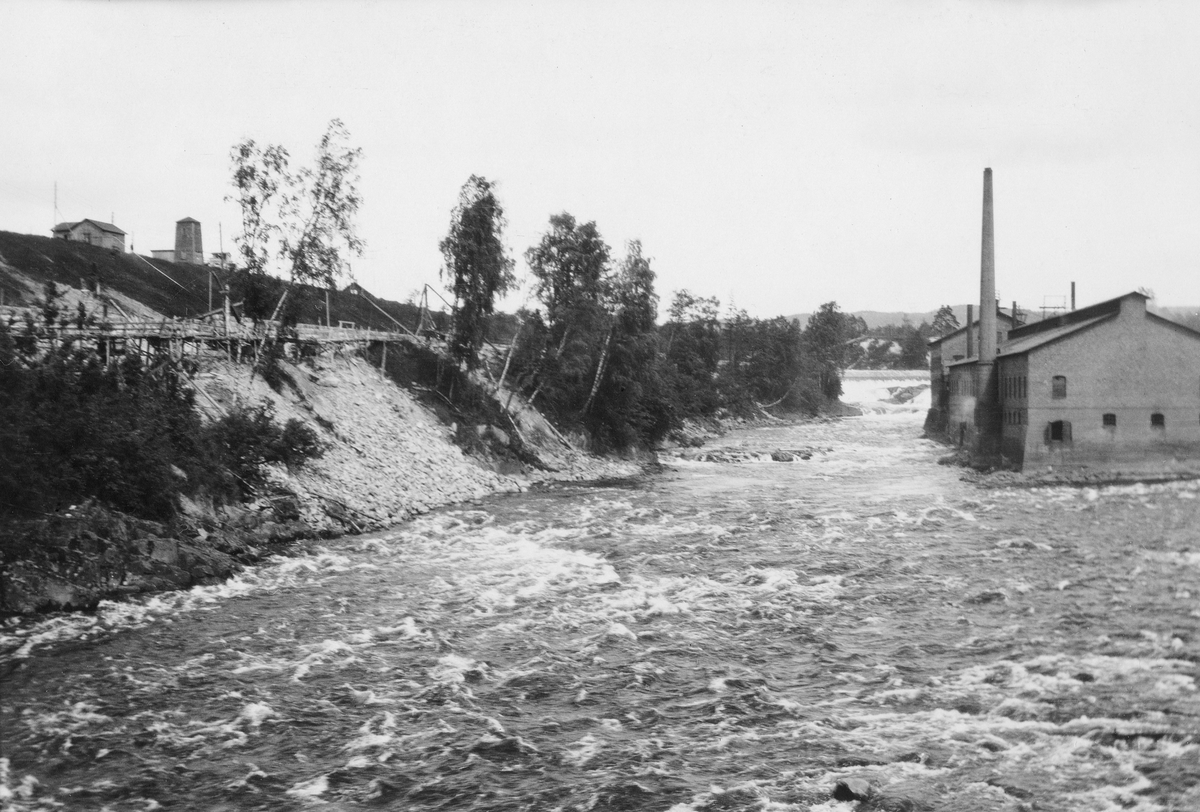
508 358
599 371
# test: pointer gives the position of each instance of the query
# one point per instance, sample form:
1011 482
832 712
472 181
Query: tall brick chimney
987 412
987 278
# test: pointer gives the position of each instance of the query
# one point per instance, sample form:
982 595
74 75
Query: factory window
1058 431
1158 421
1109 419
1058 386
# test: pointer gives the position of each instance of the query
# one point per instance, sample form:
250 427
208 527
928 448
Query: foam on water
735 637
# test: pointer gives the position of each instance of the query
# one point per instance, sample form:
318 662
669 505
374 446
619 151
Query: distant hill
1189 316
882 318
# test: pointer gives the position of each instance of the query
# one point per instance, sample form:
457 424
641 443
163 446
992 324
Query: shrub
249 437
73 427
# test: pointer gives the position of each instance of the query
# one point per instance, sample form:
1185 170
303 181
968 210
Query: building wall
960 416
1130 367
954 347
86 232
1012 380
942 353
188 244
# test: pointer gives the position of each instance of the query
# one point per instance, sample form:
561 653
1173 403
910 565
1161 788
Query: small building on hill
93 232
189 247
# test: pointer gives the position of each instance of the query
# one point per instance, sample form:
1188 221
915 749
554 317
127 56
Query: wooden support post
383 360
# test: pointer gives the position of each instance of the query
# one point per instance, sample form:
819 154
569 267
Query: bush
248 438
73 427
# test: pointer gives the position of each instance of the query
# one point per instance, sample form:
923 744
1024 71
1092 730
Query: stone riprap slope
387 458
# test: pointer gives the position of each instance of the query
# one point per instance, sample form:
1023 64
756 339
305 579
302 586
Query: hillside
167 288
392 444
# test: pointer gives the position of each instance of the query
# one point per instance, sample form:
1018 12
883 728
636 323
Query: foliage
691 346
304 218
914 352
477 267
248 437
944 321
570 266
74 427
825 339
260 175
627 405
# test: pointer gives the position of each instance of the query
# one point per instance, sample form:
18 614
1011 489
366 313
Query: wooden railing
205 329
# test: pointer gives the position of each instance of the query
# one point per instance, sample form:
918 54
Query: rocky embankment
386 459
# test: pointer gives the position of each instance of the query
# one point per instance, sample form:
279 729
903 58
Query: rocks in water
743 455
895 797
791 456
852 789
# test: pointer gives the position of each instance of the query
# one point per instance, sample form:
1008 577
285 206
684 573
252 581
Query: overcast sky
776 155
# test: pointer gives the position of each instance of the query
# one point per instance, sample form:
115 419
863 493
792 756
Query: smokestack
1072 295
987 278
970 330
1014 314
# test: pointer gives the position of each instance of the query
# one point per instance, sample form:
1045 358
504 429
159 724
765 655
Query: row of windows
1157 420
1013 386
964 385
1060 430
1015 417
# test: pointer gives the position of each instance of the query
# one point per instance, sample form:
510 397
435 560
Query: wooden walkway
207 330
178 338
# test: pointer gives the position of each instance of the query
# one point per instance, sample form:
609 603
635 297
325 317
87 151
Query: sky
775 155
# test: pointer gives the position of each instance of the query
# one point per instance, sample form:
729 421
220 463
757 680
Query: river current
715 636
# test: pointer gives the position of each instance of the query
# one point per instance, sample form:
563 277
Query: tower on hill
188 247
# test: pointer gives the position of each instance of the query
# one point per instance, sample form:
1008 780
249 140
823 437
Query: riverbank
387 458
723 636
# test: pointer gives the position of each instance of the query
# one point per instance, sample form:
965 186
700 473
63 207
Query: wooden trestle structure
179 338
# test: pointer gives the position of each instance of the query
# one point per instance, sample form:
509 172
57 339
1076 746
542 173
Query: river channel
720 635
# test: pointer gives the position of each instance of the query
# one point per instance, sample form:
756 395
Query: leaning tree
305 219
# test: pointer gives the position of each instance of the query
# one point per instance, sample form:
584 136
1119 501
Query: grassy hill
175 289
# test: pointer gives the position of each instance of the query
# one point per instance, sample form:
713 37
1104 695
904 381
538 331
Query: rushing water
716 636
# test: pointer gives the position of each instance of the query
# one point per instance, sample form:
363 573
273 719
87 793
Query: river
716 636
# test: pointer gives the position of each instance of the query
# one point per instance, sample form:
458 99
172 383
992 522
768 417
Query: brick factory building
1107 386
